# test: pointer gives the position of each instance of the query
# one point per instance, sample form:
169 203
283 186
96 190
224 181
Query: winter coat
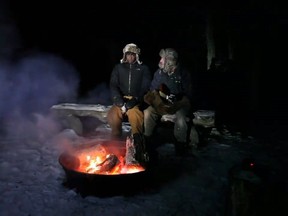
129 80
179 83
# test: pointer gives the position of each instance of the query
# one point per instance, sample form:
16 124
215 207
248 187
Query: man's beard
161 66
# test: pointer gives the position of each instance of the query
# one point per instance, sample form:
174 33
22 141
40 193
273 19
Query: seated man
130 80
170 93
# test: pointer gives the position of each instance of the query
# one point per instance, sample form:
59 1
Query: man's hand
118 101
163 89
131 103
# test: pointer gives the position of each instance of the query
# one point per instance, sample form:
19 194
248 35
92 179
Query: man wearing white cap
129 81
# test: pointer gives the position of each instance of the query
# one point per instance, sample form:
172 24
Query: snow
31 181
82 107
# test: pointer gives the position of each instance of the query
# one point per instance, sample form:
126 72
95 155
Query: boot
140 147
152 152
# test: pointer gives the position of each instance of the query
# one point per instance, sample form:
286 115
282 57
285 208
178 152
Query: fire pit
102 168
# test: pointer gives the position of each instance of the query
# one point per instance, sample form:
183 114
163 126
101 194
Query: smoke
28 88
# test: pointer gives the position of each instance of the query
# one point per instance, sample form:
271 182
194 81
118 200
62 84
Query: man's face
161 63
130 57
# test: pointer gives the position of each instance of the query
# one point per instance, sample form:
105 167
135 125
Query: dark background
91 36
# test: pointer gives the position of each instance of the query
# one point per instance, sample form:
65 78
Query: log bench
75 116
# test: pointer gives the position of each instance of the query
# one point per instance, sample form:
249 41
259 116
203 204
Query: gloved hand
163 88
118 101
165 93
123 109
131 103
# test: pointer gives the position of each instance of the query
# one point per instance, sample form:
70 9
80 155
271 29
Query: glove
163 88
123 109
118 101
165 93
131 103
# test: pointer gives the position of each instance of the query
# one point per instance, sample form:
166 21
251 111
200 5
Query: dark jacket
179 82
129 80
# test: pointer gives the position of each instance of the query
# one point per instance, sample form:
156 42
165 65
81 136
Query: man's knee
147 112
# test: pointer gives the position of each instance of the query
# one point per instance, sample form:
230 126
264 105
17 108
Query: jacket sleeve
116 95
156 80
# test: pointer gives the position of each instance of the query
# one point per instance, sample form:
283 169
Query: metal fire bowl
100 184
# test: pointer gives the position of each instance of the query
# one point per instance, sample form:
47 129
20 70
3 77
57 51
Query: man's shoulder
117 65
158 71
144 67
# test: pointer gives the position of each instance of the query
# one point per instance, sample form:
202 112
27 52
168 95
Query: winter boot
152 152
140 147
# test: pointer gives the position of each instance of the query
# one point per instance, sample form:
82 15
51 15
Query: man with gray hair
170 93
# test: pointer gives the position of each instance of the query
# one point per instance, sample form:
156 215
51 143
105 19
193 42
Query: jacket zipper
129 86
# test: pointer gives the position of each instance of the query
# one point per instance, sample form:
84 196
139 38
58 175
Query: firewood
130 152
109 163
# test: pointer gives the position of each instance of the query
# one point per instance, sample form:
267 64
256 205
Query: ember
104 157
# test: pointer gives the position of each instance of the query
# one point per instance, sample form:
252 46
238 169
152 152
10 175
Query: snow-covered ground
31 181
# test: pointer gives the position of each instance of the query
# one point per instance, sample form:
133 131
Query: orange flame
91 163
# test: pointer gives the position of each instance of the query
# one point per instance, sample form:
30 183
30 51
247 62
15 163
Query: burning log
99 160
108 164
102 157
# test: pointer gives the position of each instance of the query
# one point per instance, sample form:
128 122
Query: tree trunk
210 40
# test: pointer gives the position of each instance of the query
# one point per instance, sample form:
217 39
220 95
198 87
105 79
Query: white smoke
29 87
